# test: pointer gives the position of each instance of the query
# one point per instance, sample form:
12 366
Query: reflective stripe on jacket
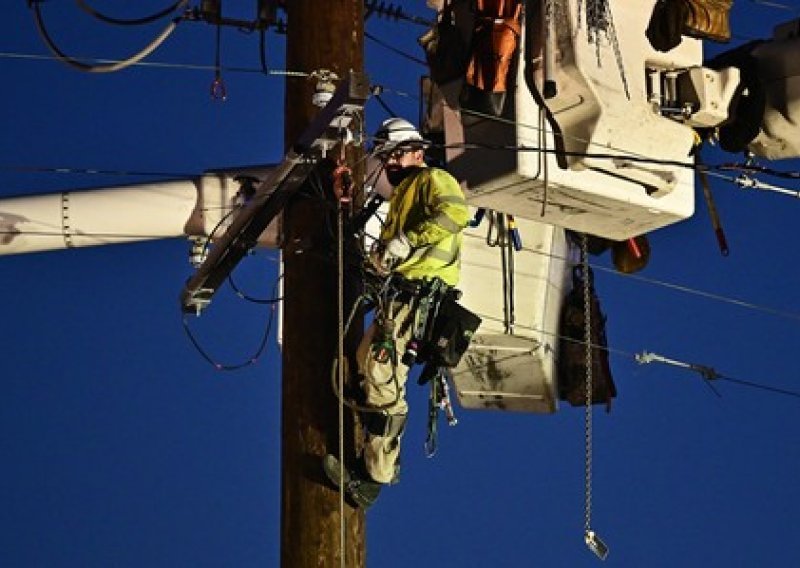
429 208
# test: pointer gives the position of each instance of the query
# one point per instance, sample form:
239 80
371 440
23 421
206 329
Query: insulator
198 251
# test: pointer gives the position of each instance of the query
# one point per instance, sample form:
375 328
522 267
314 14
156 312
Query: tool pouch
452 332
572 348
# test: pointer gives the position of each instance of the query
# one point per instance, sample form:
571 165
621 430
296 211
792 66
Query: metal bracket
274 192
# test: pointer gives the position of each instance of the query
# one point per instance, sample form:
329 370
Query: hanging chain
587 335
599 20
593 541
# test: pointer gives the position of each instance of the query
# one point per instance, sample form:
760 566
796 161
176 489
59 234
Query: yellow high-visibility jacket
429 208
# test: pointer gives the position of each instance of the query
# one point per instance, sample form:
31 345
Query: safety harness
441 330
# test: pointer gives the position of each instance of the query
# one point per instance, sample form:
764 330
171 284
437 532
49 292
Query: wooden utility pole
321 35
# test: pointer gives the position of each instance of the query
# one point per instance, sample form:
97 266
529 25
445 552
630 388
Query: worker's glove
398 249
385 256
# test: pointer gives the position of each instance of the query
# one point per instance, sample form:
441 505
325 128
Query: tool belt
441 328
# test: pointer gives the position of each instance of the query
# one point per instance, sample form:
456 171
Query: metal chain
587 334
599 19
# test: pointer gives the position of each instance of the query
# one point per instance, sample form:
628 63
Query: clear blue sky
121 447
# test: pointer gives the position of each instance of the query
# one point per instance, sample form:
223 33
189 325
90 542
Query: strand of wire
252 360
634 357
743 181
252 299
83 5
628 155
165 65
652 281
631 157
393 12
95 171
623 154
777 5
103 68
395 50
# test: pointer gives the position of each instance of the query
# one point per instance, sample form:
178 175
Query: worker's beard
396 174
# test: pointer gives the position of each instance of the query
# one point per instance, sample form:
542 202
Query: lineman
420 240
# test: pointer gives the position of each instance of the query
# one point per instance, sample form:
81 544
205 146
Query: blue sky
122 447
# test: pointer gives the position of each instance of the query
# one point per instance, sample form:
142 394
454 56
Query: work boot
708 19
363 491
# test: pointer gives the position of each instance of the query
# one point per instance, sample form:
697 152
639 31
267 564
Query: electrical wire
623 154
262 51
252 360
392 12
87 67
249 298
96 171
633 357
130 22
626 155
72 233
755 168
777 5
164 65
384 106
670 285
395 50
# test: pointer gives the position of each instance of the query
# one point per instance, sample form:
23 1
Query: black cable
599 156
126 22
231 367
259 350
778 5
94 171
622 157
754 168
249 298
383 104
105 68
165 65
392 12
139 236
759 386
262 51
394 49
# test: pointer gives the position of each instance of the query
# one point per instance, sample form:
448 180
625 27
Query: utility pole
321 35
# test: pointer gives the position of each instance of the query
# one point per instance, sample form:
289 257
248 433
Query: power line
94 171
92 235
777 5
662 283
83 5
707 373
163 65
101 68
393 12
394 49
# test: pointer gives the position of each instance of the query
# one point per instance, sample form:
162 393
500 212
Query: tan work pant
384 387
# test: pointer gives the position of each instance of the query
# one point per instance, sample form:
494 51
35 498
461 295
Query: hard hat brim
384 147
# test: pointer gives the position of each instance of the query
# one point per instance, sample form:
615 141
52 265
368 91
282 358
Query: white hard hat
395 133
